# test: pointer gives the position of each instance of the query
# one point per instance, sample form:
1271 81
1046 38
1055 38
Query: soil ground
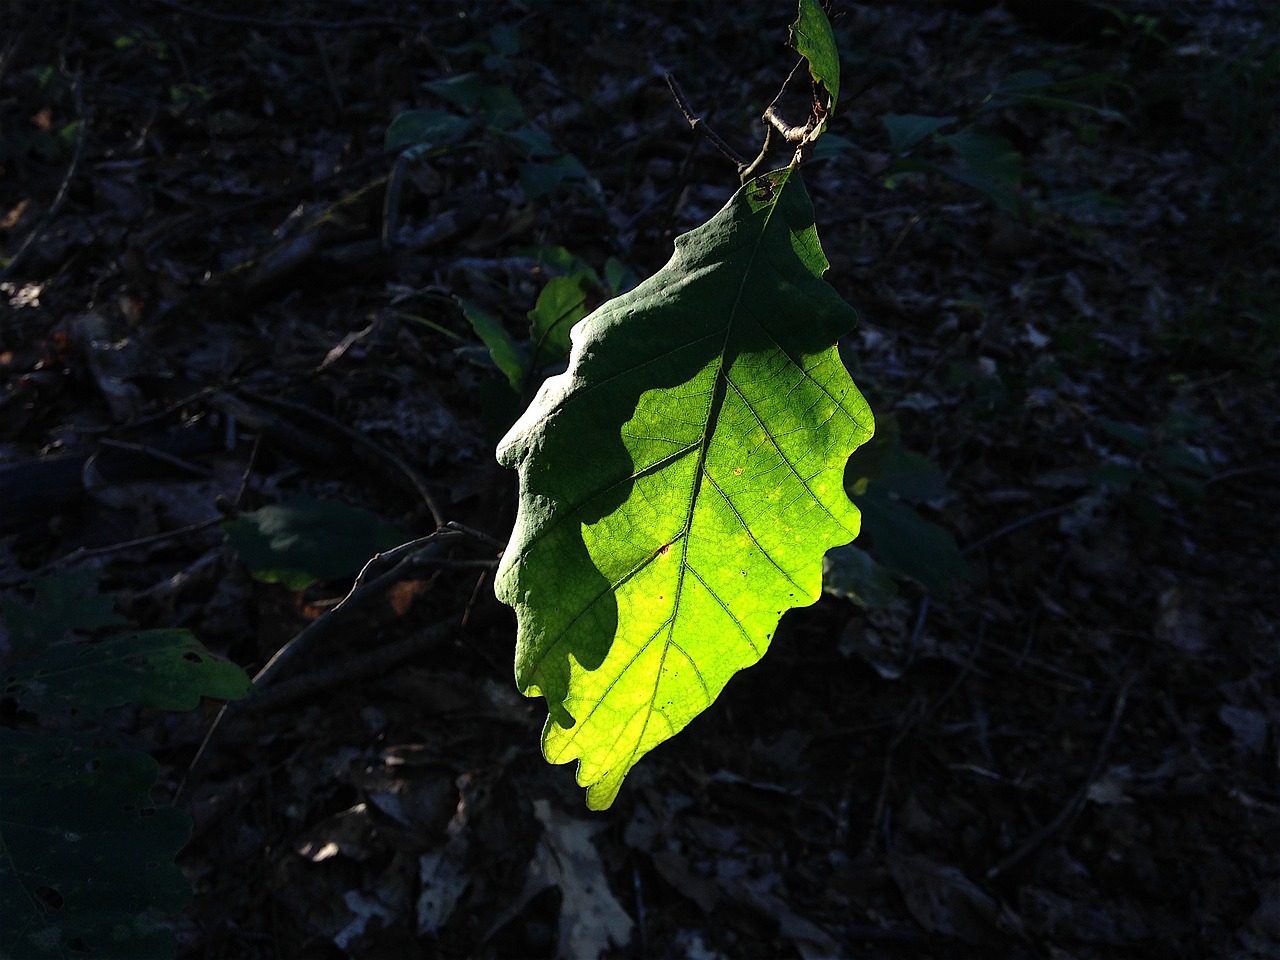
220 291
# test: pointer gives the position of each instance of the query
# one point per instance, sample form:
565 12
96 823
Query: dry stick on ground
355 436
379 575
922 614
83 553
366 665
87 553
1070 808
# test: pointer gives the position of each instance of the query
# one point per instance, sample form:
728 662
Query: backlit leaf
680 483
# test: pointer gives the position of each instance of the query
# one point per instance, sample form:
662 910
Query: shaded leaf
471 92
987 154
680 484
907 129
422 127
561 304
62 604
539 179
503 349
850 572
305 540
164 669
84 853
907 543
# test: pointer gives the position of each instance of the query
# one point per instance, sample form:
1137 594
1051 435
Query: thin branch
365 664
792 134
369 585
474 534
749 171
1017 525
355 436
83 553
698 124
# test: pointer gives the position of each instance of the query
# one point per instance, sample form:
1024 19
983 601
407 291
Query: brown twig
366 664
82 553
355 436
698 124
394 565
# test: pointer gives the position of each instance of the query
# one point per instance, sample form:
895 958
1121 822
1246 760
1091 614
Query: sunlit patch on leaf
680 483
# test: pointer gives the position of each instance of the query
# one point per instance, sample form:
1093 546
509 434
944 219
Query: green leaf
63 603
813 38
680 483
907 543
561 304
304 540
165 669
988 154
471 92
539 179
422 127
618 277
908 129
533 142
86 858
851 573
1037 87
503 349
884 463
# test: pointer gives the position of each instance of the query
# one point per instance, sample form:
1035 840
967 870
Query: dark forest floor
1074 754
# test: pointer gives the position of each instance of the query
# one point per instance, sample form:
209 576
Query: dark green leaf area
886 479
164 669
904 541
561 304
908 129
425 127
851 573
86 858
680 483
62 604
813 38
304 540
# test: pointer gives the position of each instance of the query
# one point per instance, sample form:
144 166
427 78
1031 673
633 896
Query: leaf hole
49 898
192 657
147 812
94 765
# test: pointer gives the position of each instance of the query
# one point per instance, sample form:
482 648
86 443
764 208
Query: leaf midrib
718 390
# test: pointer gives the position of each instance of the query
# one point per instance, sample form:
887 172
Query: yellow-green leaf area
680 483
